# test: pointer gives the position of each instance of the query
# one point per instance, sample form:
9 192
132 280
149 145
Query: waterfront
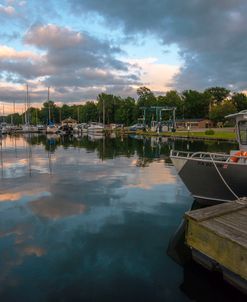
89 219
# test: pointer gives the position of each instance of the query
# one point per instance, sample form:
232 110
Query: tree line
213 103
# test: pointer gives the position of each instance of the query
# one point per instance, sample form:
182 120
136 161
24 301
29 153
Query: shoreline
221 134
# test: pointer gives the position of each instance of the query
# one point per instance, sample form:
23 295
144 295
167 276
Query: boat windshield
242 126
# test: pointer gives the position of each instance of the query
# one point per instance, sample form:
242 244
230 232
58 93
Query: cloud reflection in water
90 224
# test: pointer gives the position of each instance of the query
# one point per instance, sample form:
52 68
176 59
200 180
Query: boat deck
217 236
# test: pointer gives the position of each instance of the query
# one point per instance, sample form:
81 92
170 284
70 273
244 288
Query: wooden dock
217 236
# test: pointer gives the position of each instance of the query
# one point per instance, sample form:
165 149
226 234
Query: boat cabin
241 128
69 122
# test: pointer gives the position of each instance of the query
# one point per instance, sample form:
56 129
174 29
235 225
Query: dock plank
219 233
244 212
226 231
217 210
234 220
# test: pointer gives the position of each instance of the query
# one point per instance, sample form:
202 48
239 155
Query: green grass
221 134
224 135
217 135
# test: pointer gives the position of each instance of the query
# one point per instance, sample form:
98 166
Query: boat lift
158 113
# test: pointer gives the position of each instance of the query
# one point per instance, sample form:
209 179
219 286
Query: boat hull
206 182
95 130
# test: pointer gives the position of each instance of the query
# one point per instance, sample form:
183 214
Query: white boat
51 128
95 128
216 177
95 136
29 128
80 128
41 128
3 128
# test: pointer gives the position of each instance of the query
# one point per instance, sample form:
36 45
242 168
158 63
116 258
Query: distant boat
95 128
25 128
80 128
51 128
28 128
95 136
65 129
216 177
3 128
137 127
41 128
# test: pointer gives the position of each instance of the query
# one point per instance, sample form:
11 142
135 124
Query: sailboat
27 127
51 127
3 125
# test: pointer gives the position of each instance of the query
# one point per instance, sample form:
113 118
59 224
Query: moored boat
3 127
216 177
51 128
95 128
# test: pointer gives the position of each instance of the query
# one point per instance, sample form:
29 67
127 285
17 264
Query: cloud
67 48
158 77
7 10
211 35
8 53
68 61
53 37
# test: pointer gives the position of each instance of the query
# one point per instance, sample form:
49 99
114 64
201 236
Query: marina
123 151
81 235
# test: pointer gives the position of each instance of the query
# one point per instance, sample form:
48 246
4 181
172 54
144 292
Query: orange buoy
235 157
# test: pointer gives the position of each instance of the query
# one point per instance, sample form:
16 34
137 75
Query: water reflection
90 218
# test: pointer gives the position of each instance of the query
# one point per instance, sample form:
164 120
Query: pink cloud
50 35
7 10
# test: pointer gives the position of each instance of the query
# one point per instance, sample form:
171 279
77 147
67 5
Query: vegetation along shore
213 103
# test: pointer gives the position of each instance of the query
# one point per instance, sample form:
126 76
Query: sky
80 48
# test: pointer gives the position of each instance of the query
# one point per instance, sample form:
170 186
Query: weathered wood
225 231
217 210
244 212
235 221
220 233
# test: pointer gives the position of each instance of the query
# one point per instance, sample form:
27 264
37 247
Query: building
194 123
69 122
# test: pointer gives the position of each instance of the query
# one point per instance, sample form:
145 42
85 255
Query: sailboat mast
28 105
104 113
49 108
3 112
25 109
13 112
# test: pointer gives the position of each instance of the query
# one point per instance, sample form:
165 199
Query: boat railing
176 153
210 156
223 157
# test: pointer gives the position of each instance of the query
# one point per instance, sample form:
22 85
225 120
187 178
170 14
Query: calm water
90 219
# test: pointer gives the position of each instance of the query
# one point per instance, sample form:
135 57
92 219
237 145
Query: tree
219 111
108 101
49 112
172 99
126 112
147 99
65 112
217 94
196 104
90 112
240 101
